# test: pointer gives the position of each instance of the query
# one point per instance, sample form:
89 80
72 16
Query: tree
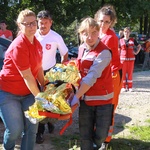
68 13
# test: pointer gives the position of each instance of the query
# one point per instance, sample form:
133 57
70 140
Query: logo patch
48 46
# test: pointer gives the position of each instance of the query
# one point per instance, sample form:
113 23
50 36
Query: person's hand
74 101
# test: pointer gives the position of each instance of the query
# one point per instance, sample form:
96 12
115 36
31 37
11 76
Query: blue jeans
12 109
94 122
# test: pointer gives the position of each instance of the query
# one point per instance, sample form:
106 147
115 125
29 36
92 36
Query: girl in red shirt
127 56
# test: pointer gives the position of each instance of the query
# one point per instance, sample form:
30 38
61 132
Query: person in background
51 42
147 55
4 32
121 34
106 18
18 83
96 89
127 56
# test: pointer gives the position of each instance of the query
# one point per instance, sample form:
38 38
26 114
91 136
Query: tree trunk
148 34
145 23
141 24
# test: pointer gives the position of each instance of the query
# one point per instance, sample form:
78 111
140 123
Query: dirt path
133 109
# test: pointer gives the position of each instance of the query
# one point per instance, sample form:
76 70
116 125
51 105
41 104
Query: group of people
32 53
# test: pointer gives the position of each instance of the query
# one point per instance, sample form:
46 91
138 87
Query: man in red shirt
4 32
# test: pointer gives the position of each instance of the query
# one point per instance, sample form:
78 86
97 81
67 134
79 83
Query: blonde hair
86 24
109 11
23 14
127 28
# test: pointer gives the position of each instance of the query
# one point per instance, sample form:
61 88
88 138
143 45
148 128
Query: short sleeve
62 46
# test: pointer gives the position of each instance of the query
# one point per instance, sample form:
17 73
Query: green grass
69 142
142 133
138 139
65 142
148 121
128 144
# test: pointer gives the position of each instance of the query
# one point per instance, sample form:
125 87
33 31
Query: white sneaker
104 146
131 90
123 90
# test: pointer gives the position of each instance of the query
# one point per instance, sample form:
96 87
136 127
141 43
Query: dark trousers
94 123
41 128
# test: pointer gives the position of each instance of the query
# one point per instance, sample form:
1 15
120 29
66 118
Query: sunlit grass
141 132
148 121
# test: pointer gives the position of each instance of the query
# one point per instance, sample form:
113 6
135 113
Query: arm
138 47
40 77
138 50
10 38
95 71
64 58
30 81
147 46
62 49
83 89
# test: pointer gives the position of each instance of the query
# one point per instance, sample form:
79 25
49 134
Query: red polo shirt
111 40
6 33
20 56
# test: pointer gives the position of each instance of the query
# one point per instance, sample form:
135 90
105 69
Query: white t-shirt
50 43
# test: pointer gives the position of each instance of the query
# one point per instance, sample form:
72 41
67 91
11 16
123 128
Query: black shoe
39 138
50 127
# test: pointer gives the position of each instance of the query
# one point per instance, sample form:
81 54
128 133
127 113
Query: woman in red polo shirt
106 18
18 83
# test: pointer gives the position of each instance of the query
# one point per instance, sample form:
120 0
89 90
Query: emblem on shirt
48 46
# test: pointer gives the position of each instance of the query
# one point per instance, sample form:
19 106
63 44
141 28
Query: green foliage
66 12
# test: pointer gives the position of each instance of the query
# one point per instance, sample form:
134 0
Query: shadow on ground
120 122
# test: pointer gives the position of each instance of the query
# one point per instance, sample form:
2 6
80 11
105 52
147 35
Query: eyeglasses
104 22
29 24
